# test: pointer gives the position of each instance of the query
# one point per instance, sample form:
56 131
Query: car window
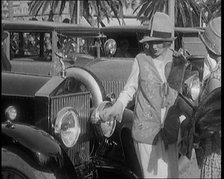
71 46
14 44
128 45
47 51
89 45
67 45
33 46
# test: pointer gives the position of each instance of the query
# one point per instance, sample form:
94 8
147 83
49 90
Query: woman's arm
131 86
116 111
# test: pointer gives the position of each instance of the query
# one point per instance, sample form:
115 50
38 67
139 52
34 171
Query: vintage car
47 131
46 122
46 81
98 50
31 47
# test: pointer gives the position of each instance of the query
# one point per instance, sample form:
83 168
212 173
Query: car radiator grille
81 102
113 87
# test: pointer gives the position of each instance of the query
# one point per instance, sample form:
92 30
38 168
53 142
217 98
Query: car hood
111 70
79 60
16 84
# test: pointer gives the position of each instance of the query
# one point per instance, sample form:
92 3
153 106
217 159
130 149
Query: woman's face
157 48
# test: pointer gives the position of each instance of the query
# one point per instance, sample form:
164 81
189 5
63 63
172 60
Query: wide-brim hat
161 28
212 36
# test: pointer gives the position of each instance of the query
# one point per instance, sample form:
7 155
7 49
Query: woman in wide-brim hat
147 83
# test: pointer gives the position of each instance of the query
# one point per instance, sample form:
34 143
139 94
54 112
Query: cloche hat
161 29
212 36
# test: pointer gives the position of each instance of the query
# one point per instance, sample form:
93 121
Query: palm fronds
147 9
90 9
186 11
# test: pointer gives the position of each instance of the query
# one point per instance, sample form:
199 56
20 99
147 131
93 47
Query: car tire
14 167
91 81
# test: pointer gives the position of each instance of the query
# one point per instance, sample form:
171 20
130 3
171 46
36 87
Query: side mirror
110 47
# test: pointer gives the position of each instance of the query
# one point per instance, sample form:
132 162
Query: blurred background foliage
188 13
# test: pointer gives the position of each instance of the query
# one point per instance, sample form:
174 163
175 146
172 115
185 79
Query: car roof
22 25
144 28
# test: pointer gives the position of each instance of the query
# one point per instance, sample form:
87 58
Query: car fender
128 118
108 169
90 80
125 135
41 150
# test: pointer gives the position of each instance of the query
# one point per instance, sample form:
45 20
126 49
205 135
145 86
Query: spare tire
92 83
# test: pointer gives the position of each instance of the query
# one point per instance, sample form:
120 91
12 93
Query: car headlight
103 128
11 113
193 87
110 47
67 126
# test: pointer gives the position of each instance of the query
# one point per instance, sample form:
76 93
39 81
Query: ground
191 170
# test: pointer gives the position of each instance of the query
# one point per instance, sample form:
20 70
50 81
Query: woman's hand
113 112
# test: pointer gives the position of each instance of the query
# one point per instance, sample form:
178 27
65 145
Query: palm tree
212 9
186 11
89 9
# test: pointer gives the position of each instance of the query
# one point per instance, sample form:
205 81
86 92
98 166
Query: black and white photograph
111 89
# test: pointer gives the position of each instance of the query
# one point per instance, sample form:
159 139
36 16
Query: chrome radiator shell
80 152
